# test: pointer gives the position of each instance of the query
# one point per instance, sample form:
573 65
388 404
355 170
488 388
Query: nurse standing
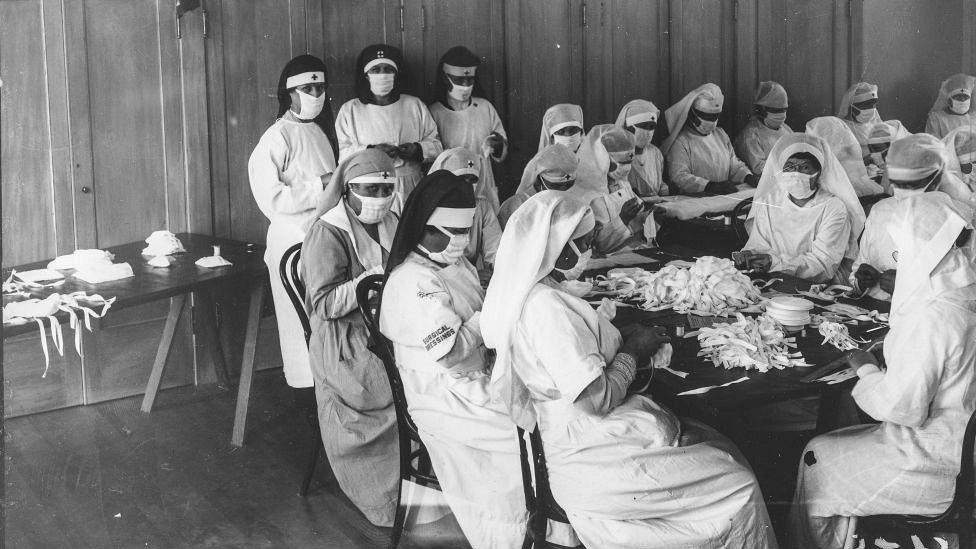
466 119
383 117
288 170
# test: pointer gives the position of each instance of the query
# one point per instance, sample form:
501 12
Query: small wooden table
176 282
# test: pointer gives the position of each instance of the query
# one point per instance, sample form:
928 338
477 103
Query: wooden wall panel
24 390
25 127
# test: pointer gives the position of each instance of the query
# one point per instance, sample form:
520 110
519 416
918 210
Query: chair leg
313 458
398 519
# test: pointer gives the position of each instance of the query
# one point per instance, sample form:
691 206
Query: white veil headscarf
461 161
951 86
554 159
533 239
833 179
855 94
920 155
846 150
557 117
677 114
594 162
637 111
924 229
963 137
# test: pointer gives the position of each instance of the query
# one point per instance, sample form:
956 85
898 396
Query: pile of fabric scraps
712 286
21 283
853 312
77 304
92 266
753 344
838 336
162 244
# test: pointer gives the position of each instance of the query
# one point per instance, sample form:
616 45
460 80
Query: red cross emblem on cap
470 164
380 53
467 72
386 174
315 77
566 177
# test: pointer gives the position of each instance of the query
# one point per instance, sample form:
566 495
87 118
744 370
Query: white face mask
460 93
454 250
571 142
796 184
582 259
642 137
373 208
310 106
959 107
865 116
705 127
381 85
774 120
621 173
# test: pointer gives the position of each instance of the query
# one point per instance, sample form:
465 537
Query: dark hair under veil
299 65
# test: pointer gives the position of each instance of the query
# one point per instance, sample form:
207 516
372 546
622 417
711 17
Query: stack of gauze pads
793 313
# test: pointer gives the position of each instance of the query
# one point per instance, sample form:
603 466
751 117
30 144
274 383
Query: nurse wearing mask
908 463
916 165
699 153
562 124
878 144
465 118
954 107
847 151
960 146
607 157
553 168
640 118
288 170
485 231
628 472
767 125
859 110
431 311
384 118
344 245
805 217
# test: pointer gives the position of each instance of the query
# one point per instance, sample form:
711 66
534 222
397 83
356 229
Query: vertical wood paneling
745 20
171 110
196 134
638 63
25 127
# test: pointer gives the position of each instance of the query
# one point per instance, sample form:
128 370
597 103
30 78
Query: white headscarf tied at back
637 111
847 151
862 91
461 161
533 240
771 94
707 97
555 161
951 86
558 117
921 155
591 180
924 229
960 146
832 179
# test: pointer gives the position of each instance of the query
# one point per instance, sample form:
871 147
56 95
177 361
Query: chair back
289 269
542 505
965 496
739 223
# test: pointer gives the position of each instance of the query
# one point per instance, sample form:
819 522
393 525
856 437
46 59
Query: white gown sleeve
613 233
679 169
737 168
830 240
447 338
272 194
491 236
497 127
429 141
346 133
749 149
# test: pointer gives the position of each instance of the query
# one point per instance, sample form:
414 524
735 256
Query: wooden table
723 405
176 282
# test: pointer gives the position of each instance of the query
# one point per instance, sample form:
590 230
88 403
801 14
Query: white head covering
533 239
771 94
960 146
637 111
833 179
951 86
558 117
706 97
554 162
924 229
844 145
861 91
920 155
461 161
591 180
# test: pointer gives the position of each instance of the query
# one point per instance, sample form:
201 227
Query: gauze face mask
705 127
796 184
864 116
571 142
310 106
373 208
621 172
774 120
642 137
582 259
454 250
381 85
959 107
460 93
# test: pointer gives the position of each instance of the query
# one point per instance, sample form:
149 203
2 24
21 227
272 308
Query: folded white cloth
98 272
163 243
212 262
79 258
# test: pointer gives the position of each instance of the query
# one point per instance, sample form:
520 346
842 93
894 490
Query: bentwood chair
542 505
289 269
738 215
956 519
415 463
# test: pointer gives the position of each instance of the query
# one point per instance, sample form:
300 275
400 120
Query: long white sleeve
266 168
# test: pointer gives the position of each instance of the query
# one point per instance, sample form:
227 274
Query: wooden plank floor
108 475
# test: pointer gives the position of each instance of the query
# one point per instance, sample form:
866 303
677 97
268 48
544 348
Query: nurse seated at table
908 463
700 155
431 310
345 244
553 168
805 217
627 471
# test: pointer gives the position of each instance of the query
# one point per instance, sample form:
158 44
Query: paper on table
619 259
702 390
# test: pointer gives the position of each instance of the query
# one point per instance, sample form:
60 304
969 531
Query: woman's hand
630 209
857 358
641 342
388 149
